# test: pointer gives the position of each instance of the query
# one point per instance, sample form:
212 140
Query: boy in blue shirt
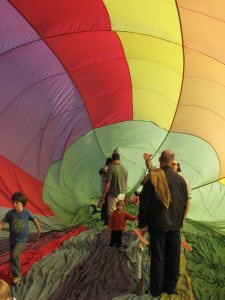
18 219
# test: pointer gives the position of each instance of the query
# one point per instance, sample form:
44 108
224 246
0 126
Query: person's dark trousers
104 211
15 253
116 238
165 261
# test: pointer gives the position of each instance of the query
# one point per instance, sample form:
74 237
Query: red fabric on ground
31 256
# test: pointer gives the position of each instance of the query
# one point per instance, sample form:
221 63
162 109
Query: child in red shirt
117 223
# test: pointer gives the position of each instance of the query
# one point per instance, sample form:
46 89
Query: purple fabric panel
23 67
39 123
103 274
14 30
41 111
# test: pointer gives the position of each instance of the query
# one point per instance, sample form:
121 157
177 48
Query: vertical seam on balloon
181 88
56 56
132 104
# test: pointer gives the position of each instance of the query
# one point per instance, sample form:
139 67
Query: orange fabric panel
203 34
204 67
201 110
215 9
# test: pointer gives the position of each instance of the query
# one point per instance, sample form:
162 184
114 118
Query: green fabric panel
206 263
200 166
208 206
199 162
46 223
74 183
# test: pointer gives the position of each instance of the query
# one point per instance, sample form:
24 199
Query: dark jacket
154 214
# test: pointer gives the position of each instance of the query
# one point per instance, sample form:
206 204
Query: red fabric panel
101 73
13 179
79 33
31 256
58 17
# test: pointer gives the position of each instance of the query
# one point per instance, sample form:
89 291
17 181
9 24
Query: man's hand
99 204
102 200
2 224
37 225
38 236
148 161
147 156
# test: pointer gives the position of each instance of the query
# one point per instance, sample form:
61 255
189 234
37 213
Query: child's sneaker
17 280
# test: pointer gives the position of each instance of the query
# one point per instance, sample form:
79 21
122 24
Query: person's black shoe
155 297
171 293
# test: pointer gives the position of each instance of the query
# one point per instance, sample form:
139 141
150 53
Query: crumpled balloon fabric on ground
111 273
103 275
133 255
206 263
85 268
46 237
35 251
49 273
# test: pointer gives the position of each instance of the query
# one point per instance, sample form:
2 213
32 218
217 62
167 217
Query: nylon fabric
65 184
155 85
36 252
88 267
44 128
206 263
102 275
10 31
17 179
49 274
146 17
156 76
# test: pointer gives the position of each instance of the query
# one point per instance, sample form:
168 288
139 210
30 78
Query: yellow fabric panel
156 76
154 92
222 181
147 48
158 18
150 34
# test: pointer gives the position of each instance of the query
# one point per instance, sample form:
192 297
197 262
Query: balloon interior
79 79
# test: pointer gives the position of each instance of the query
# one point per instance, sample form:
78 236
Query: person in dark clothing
102 172
163 202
